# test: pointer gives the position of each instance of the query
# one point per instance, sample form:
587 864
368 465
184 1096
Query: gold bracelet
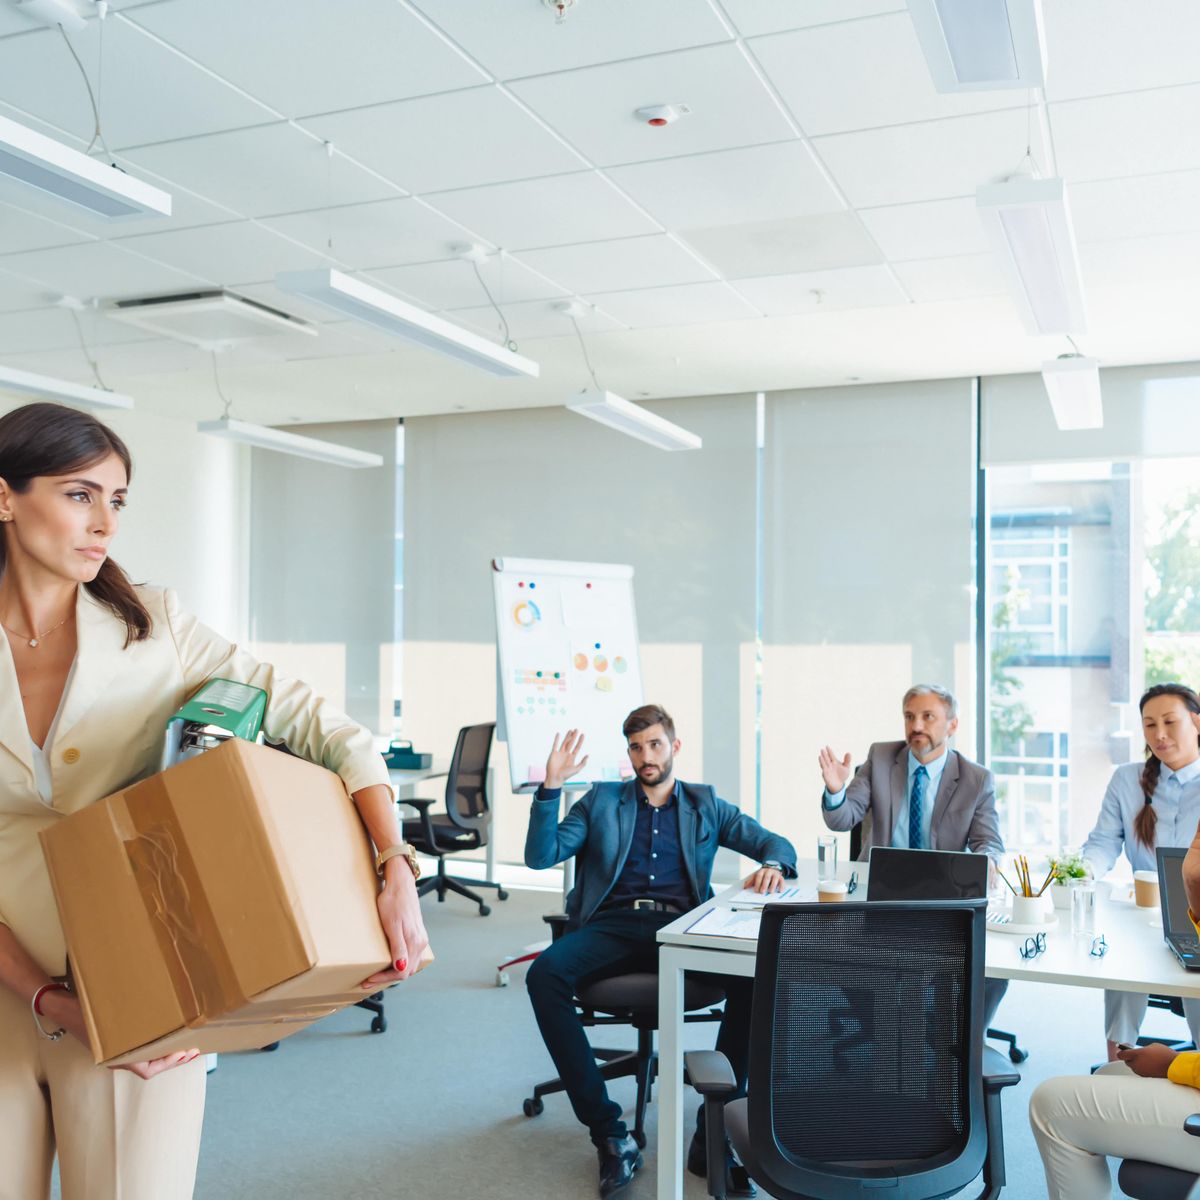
34 1007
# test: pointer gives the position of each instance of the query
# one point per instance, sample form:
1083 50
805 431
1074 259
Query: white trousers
117 1137
1123 1013
1079 1120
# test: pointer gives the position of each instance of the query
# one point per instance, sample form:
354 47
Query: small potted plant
1066 868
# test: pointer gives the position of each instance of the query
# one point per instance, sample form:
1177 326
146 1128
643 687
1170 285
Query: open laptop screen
1171 893
898 874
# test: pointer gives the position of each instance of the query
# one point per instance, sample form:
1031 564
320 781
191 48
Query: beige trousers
118 1137
1078 1120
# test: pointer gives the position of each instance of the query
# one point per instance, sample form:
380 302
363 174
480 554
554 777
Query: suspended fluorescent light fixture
1029 223
46 388
981 45
264 437
1073 385
70 175
351 297
626 417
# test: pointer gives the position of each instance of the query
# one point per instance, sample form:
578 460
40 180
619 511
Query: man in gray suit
918 794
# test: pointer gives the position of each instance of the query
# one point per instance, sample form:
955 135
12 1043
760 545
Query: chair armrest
417 802
559 924
710 1072
997 1071
423 806
1192 1125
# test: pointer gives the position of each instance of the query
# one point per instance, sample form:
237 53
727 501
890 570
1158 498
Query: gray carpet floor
432 1107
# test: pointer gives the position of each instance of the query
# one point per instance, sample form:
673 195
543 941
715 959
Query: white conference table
1137 961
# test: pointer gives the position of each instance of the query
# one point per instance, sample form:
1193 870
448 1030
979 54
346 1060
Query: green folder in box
221 709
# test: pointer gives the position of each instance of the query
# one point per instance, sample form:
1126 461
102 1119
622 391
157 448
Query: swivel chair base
443 883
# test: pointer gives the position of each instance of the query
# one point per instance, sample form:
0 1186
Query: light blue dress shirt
900 829
1176 804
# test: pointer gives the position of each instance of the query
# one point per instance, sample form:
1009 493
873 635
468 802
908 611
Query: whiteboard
567 658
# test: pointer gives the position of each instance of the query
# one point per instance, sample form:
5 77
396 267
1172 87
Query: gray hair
932 689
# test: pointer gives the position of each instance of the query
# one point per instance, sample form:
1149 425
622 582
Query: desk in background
1137 961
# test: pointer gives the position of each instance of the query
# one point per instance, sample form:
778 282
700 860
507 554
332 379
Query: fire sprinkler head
662 114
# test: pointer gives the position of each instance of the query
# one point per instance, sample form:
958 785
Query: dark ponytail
1147 819
50 439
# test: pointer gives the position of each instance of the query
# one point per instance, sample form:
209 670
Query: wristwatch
400 848
774 866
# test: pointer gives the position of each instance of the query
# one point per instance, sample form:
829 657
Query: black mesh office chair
867 1063
466 822
1149 1181
1016 1053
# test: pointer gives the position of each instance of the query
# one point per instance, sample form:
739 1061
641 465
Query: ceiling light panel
1073 386
265 437
371 305
594 107
974 45
1029 223
626 417
42 387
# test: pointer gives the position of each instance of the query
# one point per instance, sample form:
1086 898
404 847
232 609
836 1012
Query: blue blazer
598 830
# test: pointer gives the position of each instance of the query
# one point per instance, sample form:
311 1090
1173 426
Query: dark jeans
614 943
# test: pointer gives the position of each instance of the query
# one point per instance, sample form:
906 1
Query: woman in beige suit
91 667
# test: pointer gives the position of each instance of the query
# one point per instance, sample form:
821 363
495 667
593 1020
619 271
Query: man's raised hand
564 761
835 771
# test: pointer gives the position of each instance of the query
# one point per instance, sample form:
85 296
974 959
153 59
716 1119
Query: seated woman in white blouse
1147 806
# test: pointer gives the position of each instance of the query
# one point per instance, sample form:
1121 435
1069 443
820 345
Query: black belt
648 905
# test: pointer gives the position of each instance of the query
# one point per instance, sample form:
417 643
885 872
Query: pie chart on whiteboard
526 614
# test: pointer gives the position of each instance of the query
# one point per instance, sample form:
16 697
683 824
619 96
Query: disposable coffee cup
1145 889
832 891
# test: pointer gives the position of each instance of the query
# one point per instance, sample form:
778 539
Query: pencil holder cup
1028 910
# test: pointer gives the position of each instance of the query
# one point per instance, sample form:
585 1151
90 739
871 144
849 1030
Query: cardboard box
222 904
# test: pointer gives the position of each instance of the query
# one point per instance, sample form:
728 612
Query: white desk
1137 961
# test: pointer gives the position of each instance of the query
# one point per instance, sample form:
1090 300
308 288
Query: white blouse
41 754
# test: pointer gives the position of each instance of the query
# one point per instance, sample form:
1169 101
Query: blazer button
70 755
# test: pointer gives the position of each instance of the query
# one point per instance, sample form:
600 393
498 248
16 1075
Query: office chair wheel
484 911
1017 1055
502 979
501 894
379 1024
533 1107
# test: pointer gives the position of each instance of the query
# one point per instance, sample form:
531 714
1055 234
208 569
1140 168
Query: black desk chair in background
465 824
1015 1053
867 1061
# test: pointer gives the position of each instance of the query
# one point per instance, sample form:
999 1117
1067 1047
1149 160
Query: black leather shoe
737 1181
619 1158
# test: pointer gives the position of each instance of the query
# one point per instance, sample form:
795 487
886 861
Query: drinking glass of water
1083 908
826 858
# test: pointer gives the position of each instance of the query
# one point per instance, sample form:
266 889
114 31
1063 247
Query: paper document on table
725 922
749 898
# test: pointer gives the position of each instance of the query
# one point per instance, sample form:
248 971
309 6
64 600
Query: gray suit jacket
964 810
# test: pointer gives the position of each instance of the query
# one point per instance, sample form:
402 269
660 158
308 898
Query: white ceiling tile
815 243
382 233
770 16
684 304
594 107
315 59
822 291
53 329
931 160
20 230
958 278
17 294
94 270
494 139
653 261
863 74
1127 135
545 212
931 229
512 40
758 183
240 252
1139 206
535 319
263 171
1101 46
1134 261
453 284
153 356
149 93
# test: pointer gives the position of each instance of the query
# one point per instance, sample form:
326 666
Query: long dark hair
49 439
1146 820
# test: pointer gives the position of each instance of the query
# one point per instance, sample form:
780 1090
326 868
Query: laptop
898 874
1178 931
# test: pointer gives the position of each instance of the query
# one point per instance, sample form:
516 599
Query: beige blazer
110 734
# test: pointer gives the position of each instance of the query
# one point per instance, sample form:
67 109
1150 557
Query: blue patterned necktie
916 803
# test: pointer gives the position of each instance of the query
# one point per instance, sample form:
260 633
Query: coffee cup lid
1146 876
831 885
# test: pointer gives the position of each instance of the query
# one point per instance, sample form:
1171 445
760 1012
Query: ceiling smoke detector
207 319
661 114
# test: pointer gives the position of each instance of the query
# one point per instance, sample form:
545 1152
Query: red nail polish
401 963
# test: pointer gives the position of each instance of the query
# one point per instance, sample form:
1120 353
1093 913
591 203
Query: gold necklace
37 638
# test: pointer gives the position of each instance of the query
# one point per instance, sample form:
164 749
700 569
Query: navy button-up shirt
654 869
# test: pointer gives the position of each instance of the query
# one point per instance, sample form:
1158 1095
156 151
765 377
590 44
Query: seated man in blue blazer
644 853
